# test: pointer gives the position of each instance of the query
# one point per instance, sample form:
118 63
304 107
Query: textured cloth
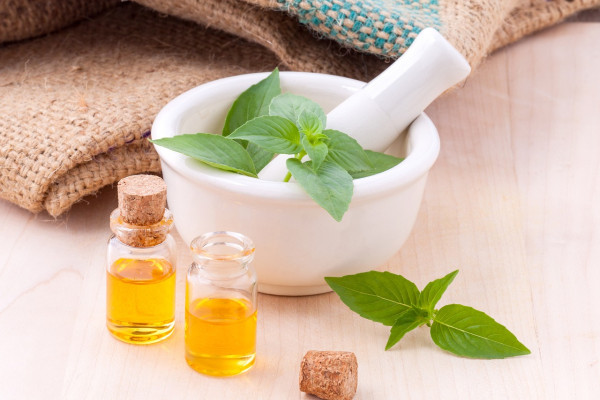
76 105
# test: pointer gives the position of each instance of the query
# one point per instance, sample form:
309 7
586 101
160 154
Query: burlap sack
77 105
21 19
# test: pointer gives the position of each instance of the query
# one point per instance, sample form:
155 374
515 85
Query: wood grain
513 202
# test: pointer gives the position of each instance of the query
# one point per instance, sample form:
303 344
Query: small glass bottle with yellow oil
220 305
140 275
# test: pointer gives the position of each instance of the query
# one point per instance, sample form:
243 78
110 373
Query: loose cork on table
330 375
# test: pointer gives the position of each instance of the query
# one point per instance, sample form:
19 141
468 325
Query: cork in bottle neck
141 236
142 199
141 219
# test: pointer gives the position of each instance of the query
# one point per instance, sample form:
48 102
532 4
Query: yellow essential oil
220 336
140 300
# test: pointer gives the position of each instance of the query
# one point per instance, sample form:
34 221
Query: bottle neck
222 254
141 235
220 270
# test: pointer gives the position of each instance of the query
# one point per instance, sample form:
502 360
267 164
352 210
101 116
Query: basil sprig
395 301
263 122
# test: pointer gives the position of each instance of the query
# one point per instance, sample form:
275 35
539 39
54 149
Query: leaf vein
377 296
479 336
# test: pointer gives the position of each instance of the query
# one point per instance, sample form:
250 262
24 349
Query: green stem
298 156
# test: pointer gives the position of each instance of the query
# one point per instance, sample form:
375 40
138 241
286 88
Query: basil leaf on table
380 162
290 106
272 133
406 322
330 186
394 300
379 296
214 150
467 332
434 290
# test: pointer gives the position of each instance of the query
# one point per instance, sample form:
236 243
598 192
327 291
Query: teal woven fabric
385 27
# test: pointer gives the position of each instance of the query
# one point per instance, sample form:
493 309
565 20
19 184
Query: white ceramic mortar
297 242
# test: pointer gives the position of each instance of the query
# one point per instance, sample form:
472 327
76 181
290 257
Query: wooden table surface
513 202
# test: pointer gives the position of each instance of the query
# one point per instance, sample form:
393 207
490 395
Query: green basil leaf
290 106
252 103
378 296
317 152
260 156
467 332
214 150
434 290
346 152
310 124
406 322
381 162
271 133
330 186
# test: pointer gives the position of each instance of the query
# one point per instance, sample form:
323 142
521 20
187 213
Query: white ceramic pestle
376 114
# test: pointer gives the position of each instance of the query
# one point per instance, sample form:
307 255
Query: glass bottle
140 275
220 305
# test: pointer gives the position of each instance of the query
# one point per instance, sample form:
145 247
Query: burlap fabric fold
76 105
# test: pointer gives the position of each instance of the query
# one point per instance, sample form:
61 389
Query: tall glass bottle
140 275
220 305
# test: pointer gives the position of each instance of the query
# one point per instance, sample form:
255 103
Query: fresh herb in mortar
263 122
395 301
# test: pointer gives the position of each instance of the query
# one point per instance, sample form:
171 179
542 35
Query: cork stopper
142 199
329 375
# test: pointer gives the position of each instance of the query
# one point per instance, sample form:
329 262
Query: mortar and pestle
297 242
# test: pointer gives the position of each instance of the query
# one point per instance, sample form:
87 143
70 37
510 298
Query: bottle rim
203 246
